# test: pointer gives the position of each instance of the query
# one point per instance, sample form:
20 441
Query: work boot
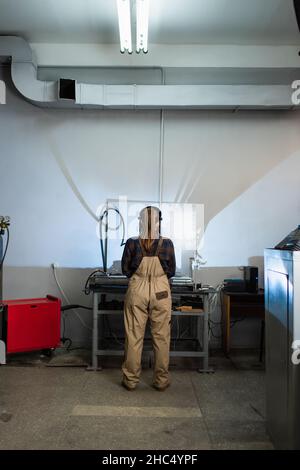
161 388
125 385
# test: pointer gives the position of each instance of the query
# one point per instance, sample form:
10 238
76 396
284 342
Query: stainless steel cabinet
282 303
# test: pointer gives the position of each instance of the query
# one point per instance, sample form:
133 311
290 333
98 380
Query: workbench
99 289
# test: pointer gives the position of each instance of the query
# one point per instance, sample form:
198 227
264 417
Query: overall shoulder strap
159 246
142 248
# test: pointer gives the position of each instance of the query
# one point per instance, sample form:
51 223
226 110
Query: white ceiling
171 21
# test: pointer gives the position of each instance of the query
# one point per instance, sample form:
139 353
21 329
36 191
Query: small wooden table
241 304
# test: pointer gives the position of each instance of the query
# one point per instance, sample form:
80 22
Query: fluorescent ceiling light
124 25
142 20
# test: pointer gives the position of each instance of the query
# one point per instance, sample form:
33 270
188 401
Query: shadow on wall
224 153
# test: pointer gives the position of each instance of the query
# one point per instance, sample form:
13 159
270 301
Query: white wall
243 166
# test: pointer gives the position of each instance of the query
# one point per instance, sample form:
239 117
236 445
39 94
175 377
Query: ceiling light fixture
142 21
124 25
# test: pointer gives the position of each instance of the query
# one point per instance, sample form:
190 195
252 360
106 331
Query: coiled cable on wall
101 223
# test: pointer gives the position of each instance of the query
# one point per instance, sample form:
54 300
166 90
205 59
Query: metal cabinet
1 265
282 303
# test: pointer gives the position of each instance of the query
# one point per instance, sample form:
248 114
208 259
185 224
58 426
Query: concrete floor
70 408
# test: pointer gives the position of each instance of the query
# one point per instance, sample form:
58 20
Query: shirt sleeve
126 259
171 261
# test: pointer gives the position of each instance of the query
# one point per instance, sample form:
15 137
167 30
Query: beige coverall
148 296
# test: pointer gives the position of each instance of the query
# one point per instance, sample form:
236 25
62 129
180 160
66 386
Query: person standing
149 261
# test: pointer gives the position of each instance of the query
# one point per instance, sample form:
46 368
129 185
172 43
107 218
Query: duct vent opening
67 89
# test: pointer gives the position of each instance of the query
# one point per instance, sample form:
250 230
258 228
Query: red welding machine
30 324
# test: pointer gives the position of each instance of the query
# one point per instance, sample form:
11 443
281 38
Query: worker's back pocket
162 295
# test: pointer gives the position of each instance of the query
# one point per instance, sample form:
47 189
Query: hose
104 251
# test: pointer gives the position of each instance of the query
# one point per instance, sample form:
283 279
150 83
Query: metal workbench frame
203 355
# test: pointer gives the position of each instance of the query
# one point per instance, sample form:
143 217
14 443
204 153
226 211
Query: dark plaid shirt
132 256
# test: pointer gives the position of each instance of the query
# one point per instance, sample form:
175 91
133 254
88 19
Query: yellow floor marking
136 411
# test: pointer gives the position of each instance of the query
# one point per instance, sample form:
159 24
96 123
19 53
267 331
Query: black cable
212 332
70 343
101 245
111 333
122 221
216 322
105 213
234 322
63 309
64 339
73 306
6 247
86 289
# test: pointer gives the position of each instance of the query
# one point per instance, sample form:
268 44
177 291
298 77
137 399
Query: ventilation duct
69 93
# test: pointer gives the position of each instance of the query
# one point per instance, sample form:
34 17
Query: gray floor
44 407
